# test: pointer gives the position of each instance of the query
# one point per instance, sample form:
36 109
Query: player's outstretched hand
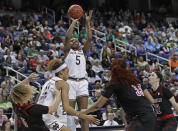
92 119
74 20
88 17
33 77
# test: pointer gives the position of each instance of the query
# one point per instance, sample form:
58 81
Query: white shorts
52 122
77 88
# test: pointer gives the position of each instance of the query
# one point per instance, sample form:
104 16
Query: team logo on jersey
54 126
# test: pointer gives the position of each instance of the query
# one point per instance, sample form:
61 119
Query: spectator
106 76
9 83
107 111
166 73
110 36
41 68
173 82
105 52
4 98
97 85
105 63
141 62
146 83
92 77
110 121
93 58
97 94
11 55
21 64
2 116
137 70
32 51
6 126
97 68
42 56
44 45
149 45
147 71
165 49
34 61
140 48
173 48
54 52
173 62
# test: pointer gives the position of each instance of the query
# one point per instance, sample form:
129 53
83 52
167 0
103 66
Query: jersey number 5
77 59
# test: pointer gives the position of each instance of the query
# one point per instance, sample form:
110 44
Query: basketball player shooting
76 62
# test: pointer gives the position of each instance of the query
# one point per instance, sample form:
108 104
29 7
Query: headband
63 66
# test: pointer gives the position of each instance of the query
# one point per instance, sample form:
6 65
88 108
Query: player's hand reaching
88 17
33 77
74 20
92 119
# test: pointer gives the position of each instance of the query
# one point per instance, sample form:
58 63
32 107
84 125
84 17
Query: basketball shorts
52 122
77 88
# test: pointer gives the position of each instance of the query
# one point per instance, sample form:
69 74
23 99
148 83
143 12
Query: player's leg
158 126
82 102
70 119
170 125
72 101
135 125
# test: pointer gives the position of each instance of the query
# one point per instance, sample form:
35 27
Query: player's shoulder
61 83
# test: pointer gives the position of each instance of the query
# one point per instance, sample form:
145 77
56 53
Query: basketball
75 11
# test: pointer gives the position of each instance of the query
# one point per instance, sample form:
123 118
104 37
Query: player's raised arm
88 42
31 78
69 36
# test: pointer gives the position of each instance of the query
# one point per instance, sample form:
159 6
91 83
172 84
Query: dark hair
159 76
4 123
91 73
120 74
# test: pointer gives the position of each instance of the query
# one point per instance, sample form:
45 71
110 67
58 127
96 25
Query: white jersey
76 63
46 98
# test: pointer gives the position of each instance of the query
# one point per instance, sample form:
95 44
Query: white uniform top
76 63
46 98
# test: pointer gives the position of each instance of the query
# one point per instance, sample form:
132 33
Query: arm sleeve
38 109
108 91
167 93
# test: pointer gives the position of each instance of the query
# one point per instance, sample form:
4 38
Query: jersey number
157 108
77 59
138 89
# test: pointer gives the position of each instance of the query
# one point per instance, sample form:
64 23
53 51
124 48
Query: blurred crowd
29 41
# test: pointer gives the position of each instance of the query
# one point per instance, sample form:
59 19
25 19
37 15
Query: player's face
74 43
153 78
64 74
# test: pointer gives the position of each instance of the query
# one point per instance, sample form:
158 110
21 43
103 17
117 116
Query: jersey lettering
45 93
138 89
76 63
54 126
